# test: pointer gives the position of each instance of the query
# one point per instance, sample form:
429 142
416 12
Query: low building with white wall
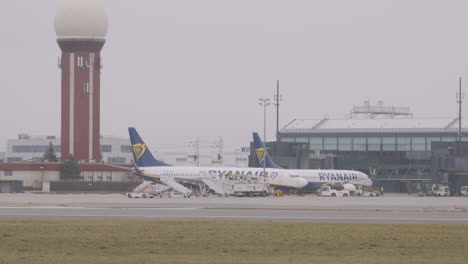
31 148
34 174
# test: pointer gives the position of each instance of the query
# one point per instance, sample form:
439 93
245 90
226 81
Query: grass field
127 241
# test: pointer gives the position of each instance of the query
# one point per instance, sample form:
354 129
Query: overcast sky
180 69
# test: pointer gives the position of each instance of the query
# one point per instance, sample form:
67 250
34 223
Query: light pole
219 145
460 97
277 98
42 177
196 145
264 102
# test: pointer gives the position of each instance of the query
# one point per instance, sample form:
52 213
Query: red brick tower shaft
81 70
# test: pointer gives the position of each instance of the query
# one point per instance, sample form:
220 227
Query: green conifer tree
70 169
49 155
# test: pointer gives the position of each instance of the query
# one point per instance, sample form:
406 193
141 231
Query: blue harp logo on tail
139 149
260 154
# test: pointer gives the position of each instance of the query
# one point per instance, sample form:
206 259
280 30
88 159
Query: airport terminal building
398 153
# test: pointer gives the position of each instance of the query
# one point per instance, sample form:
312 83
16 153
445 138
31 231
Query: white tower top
80 19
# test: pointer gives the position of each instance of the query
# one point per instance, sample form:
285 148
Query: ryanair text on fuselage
336 176
243 173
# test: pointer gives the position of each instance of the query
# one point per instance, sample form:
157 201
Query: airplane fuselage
279 178
316 178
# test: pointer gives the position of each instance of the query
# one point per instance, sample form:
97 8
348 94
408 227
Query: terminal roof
327 125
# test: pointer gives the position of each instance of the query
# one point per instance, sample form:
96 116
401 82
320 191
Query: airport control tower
81 26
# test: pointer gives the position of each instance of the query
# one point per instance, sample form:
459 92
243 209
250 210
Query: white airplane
315 178
151 169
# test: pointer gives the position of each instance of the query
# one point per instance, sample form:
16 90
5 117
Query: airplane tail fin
141 154
263 158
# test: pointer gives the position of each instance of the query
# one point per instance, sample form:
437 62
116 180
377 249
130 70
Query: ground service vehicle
139 195
440 190
371 194
354 190
333 190
250 189
464 191
278 193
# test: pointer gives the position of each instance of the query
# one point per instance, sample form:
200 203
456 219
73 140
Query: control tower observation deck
81 27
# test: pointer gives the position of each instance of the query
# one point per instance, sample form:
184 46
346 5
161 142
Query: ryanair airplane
151 169
315 178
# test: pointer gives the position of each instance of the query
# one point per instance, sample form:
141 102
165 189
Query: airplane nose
301 182
367 180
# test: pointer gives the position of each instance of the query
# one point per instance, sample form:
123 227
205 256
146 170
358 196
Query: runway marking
103 208
45 207
240 209
246 217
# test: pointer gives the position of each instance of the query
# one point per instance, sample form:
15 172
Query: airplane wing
120 167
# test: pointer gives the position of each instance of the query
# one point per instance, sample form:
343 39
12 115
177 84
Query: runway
396 209
383 217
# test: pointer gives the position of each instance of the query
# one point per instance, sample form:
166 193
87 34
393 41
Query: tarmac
389 209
